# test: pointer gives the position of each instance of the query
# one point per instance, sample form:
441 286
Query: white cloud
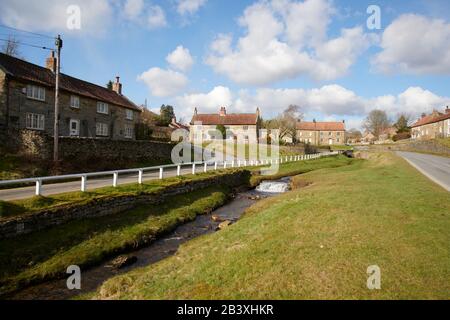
133 8
163 83
286 39
185 7
97 17
180 59
156 17
415 44
51 15
206 102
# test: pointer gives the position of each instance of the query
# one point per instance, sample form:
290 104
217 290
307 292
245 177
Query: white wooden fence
197 167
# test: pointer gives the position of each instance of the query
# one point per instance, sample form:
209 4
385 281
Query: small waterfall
273 187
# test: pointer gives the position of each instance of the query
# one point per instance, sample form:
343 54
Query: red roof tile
321 126
433 118
229 119
30 72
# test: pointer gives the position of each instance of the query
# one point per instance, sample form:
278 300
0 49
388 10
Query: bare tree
376 122
286 122
11 47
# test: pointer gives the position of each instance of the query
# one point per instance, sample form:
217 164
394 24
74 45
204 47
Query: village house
435 125
239 126
321 133
368 138
27 101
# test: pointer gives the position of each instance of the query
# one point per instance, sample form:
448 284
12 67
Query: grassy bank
46 254
317 243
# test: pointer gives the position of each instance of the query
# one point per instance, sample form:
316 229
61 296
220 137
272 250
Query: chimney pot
51 62
447 111
117 86
223 112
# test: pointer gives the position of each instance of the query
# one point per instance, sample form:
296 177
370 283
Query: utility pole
59 45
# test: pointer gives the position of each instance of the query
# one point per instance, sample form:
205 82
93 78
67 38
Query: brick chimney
223 112
50 63
117 86
423 115
447 111
195 111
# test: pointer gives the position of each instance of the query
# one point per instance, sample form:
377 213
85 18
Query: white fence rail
196 168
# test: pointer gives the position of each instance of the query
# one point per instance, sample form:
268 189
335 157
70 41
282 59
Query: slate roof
26 71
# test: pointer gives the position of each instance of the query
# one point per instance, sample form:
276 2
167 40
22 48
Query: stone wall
36 221
39 145
429 146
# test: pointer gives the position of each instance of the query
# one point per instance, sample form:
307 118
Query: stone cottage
321 133
240 126
27 101
435 125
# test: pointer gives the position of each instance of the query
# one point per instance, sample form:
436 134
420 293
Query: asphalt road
93 183
434 167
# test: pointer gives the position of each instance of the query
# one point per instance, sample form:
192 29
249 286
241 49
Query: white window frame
101 129
75 102
77 134
102 107
35 92
129 114
35 121
129 132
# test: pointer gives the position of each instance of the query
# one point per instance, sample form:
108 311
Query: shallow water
161 249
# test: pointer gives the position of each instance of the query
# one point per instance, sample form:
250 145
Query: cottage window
75 102
129 132
130 114
36 93
338 134
102 107
35 121
102 129
245 128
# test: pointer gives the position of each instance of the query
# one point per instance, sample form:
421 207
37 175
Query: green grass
29 206
317 242
46 254
444 141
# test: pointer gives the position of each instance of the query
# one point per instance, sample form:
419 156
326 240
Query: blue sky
248 54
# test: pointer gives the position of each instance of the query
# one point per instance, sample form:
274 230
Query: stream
93 278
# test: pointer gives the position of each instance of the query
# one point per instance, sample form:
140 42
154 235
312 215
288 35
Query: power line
29 45
20 30
16 35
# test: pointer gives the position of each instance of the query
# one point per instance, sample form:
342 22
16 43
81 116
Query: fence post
141 176
206 167
178 170
215 166
225 165
161 173
38 187
115 179
193 168
83 183
232 164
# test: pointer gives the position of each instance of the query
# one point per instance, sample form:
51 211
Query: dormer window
102 108
36 92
